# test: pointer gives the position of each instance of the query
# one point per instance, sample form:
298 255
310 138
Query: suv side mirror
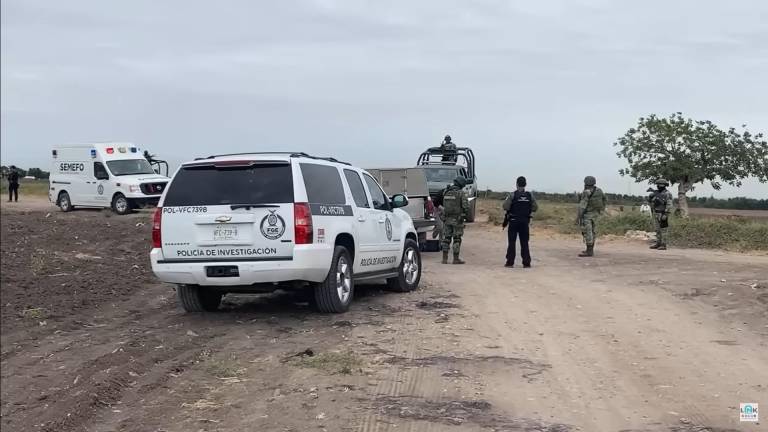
399 200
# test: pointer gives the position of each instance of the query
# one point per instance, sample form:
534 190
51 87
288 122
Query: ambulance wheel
197 299
65 204
334 294
120 204
409 272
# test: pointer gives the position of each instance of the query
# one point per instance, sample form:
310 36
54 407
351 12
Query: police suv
257 222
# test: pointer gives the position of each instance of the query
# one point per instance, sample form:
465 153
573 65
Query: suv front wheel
409 272
334 294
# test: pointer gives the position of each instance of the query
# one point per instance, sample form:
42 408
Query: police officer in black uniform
13 184
519 208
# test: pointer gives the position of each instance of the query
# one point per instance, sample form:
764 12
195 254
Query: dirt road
632 340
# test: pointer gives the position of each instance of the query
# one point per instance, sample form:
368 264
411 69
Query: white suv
258 222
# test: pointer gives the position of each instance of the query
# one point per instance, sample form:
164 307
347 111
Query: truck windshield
441 175
129 167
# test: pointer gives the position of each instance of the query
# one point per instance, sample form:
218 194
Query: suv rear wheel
196 299
409 272
334 294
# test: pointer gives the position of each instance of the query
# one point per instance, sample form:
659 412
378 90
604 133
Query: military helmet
663 182
447 138
589 181
460 182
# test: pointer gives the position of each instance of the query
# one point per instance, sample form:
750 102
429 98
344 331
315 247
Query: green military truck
442 166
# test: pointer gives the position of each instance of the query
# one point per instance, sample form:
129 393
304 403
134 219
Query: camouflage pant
661 233
452 231
588 229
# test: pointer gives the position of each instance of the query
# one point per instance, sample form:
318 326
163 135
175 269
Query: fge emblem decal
100 189
272 226
748 412
388 227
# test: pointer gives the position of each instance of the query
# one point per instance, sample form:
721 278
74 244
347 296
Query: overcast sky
537 88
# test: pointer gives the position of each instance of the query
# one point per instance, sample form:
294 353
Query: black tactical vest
522 204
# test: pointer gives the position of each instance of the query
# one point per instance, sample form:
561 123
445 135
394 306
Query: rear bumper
423 225
310 263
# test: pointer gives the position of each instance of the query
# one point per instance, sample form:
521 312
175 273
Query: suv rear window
209 185
323 184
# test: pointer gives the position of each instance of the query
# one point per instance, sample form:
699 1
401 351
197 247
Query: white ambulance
112 175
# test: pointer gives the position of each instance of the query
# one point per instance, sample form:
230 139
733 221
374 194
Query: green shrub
722 233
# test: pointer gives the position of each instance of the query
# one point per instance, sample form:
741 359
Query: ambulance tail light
302 223
157 219
110 150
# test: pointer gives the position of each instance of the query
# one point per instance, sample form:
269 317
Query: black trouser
521 229
13 192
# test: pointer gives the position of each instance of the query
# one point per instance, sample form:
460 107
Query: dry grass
730 233
27 187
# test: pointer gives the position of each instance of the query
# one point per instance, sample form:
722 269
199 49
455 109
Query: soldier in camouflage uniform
455 210
661 202
449 147
591 205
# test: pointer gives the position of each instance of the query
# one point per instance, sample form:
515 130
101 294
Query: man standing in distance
13 184
455 210
661 201
519 208
591 205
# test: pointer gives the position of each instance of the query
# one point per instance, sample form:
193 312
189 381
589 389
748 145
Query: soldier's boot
589 252
457 260
655 246
662 247
445 257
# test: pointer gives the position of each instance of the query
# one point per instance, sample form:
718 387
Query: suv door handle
382 220
361 219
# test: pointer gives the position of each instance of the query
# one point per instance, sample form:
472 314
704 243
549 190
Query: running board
375 275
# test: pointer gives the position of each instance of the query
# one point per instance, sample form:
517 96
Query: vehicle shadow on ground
296 305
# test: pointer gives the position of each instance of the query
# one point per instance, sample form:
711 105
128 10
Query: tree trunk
682 200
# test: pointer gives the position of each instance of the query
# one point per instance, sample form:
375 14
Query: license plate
225 233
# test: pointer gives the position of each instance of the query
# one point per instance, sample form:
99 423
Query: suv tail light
156 233
302 223
429 207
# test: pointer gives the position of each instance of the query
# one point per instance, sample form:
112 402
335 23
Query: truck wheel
422 242
120 204
334 294
65 203
409 272
196 299
472 208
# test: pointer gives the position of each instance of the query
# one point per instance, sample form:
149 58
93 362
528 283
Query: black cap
521 182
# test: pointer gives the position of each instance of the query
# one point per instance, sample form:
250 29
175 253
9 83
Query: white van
112 175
